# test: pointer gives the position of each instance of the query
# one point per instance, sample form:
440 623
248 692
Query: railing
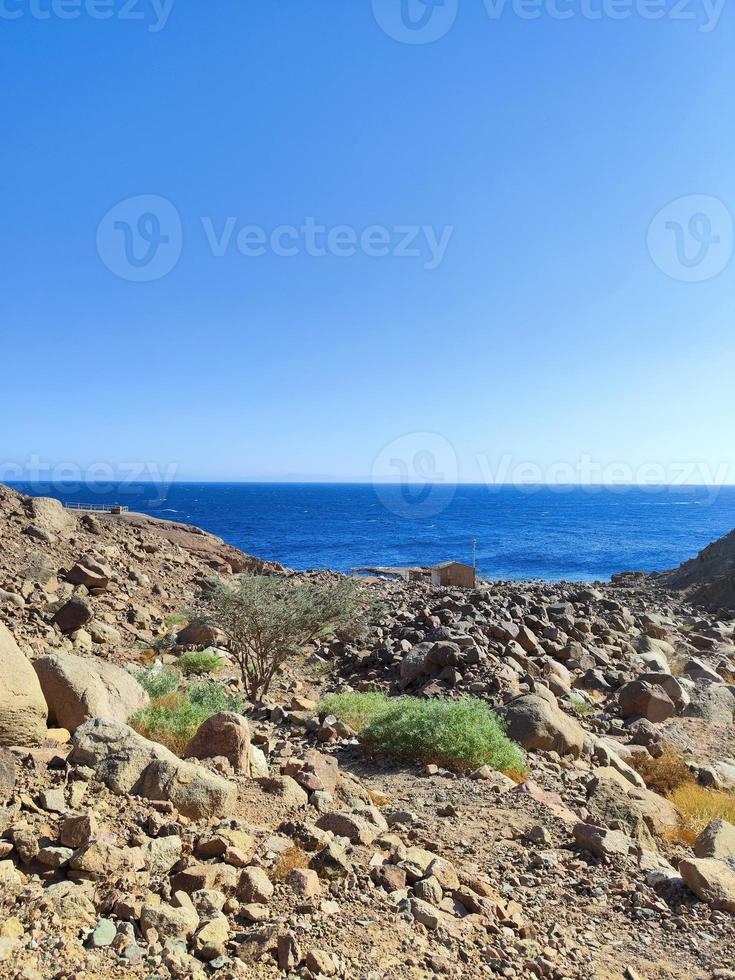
98 508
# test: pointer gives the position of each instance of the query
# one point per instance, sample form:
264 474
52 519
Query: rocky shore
273 844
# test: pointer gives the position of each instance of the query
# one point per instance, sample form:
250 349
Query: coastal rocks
79 688
711 880
538 723
225 734
22 705
128 763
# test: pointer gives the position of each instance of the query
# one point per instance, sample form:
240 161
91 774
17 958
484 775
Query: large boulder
714 703
717 840
128 763
90 573
50 515
643 700
711 880
22 705
225 734
537 722
79 688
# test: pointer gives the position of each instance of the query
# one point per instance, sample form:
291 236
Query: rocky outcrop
79 688
708 579
128 763
22 705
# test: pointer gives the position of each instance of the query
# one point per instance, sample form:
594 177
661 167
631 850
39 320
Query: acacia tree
267 619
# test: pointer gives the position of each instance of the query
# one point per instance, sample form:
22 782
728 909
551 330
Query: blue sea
553 533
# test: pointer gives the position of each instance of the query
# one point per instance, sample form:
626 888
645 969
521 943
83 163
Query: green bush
206 662
356 709
462 734
173 718
158 680
211 697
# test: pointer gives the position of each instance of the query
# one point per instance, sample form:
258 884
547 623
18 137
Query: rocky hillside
709 579
274 844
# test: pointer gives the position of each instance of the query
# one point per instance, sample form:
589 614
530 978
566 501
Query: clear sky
520 158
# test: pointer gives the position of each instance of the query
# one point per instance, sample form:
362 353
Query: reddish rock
225 734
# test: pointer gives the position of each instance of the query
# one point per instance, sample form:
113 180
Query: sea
572 533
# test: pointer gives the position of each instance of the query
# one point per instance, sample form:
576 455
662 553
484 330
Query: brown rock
73 615
711 880
649 701
225 734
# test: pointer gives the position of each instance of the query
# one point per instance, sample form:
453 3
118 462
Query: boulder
717 840
416 662
22 705
49 514
670 684
711 880
90 573
197 635
225 734
602 842
79 688
643 700
128 763
714 703
537 722
73 615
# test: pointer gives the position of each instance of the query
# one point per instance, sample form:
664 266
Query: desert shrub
211 697
205 662
294 857
173 718
355 708
580 707
663 775
268 619
462 734
158 680
175 619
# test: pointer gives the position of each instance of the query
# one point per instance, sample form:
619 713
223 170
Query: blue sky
551 327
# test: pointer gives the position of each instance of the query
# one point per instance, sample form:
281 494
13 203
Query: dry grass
663 775
700 805
294 857
517 775
669 776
